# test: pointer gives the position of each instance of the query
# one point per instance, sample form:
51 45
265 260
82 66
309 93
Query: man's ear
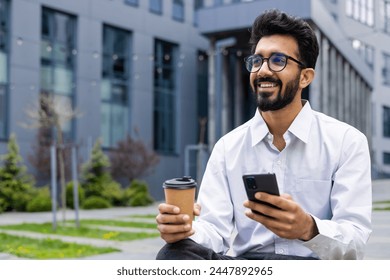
307 76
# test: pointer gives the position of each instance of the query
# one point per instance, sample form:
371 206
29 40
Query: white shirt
325 167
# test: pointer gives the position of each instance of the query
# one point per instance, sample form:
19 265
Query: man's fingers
171 238
172 219
168 209
278 201
260 209
167 228
172 225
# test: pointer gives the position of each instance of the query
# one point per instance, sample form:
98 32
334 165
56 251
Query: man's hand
289 221
172 225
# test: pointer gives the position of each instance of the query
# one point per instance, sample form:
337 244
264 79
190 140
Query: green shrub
140 199
16 185
95 202
3 205
95 174
113 192
21 199
41 201
69 195
96 178
137 194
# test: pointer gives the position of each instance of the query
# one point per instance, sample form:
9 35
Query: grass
149 216
120 223
382 202
25 247
83 231
383 206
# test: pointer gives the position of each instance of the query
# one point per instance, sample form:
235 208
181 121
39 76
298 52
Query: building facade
128 67
366 25
171 72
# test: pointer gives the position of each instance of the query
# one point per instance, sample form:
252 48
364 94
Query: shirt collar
300 127
259 128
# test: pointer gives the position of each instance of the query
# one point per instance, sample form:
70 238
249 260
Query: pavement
378 247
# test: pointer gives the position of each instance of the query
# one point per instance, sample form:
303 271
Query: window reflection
57 61
114 86
164 97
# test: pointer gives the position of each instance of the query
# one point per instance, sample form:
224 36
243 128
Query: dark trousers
187 249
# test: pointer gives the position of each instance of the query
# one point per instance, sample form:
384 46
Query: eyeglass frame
267 58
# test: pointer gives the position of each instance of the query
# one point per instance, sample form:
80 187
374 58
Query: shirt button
269 136
280 251
279 162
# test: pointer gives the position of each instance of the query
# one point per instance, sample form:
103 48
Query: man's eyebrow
274 52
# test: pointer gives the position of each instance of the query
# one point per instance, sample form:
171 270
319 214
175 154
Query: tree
39 158
96 179
51 115
16 186
132 159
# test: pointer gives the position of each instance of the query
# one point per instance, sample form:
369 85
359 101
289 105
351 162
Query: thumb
197 209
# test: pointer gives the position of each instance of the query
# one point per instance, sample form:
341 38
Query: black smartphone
260 183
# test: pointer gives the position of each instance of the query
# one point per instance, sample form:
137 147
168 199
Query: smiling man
322 168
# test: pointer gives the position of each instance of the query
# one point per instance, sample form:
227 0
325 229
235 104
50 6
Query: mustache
267 79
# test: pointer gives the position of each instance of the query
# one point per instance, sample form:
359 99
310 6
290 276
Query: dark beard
282 100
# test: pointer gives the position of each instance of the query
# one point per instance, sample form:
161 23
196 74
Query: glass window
386 121
386 69
115 85
165 97
155 6
365 51
348 7
178 10
369 56
202 94
132 2
386 10
3 68
361 10
3 107
218 3
58 43
198 4
4 47
386 158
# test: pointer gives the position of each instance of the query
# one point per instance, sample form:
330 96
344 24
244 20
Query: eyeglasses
276 62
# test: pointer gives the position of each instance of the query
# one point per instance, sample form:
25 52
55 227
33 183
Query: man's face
276 90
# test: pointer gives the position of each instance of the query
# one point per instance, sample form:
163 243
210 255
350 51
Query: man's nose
264 69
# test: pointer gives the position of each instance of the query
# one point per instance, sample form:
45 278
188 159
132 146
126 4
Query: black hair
273 22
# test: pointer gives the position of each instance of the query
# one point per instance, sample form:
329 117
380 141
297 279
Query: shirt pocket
313 196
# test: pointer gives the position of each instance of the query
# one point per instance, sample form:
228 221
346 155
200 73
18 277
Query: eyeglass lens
276 62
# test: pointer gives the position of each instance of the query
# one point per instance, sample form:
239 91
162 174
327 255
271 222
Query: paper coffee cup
181 193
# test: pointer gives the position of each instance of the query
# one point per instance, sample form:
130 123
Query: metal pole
75 187
53 184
